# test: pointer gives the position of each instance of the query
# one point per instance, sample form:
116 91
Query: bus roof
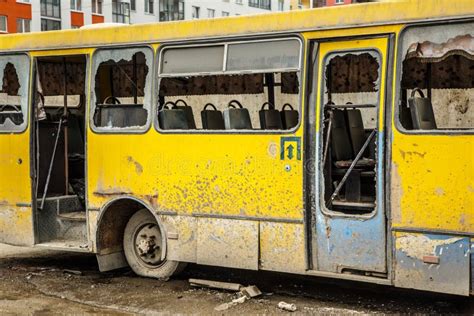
356 15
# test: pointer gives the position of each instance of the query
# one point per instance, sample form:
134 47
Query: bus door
16 219
350 213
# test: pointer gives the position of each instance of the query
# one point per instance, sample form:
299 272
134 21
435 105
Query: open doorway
59 140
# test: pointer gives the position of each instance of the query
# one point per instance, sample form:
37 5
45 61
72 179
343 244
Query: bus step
67 245
73 216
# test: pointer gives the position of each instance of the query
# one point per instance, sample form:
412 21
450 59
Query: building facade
45 15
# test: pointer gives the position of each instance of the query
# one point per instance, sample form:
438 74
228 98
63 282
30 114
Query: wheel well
112 222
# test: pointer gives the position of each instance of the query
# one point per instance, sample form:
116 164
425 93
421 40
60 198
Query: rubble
287 307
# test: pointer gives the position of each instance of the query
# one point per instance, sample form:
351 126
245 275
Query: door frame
312 145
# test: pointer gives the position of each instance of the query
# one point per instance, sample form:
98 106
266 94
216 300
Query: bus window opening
13 92
350 101
437 85
233 86
121 84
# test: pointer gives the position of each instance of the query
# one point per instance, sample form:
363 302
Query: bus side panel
433 182
239 180
431 262
16 221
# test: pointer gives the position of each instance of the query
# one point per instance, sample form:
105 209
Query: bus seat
212 119
356 129
341 145
237 118
289 117
421 110
269 118
188 111
172 118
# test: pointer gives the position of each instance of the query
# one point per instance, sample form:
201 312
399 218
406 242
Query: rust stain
439 191
138 166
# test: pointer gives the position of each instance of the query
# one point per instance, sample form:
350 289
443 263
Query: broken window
351 102
121 89
14 92
437 85
232 86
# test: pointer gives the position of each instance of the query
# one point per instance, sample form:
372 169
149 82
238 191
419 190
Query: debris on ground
250 291
244 292
287 307
75 272
215 284
234 302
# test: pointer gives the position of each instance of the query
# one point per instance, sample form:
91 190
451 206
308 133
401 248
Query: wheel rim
147 245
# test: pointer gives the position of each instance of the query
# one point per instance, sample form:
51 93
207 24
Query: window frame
6 24
301 73
396 122
92 107
322 89
26 116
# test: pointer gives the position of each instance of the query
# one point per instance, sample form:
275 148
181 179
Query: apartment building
45 15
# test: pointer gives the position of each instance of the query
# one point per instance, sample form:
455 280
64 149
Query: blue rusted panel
432 262
356 243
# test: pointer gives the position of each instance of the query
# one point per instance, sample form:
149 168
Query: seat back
269 118
188 111
212 119
421 111
237 117
356 129
341 145
289 117
172 117
120 115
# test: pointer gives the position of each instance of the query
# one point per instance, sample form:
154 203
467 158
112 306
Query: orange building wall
14 10
333 2
77 19
97 19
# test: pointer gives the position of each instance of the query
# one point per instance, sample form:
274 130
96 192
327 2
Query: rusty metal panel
282 247
228 243
416 268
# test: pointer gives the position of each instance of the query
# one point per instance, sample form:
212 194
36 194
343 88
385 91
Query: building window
23 25
225 13
51 8
211 13
50 25
339 2
195 12
97 6
3 23
171 10
281 5
149 6
133 5
76 5
120 12
261 4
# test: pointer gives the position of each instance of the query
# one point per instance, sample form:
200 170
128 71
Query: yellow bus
334 142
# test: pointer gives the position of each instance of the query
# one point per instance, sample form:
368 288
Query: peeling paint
418 246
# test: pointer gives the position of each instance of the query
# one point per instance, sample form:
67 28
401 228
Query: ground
34 281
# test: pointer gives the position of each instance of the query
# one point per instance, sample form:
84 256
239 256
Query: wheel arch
112 220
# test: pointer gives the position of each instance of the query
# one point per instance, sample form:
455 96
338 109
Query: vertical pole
65 116
428 80
135 83
270 83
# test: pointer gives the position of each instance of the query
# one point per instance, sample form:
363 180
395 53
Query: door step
73 216
66 245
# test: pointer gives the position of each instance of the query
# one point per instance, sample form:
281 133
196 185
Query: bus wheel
142 244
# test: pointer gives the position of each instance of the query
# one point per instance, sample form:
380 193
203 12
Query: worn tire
165 269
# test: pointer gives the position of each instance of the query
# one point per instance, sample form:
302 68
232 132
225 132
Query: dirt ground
38 282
